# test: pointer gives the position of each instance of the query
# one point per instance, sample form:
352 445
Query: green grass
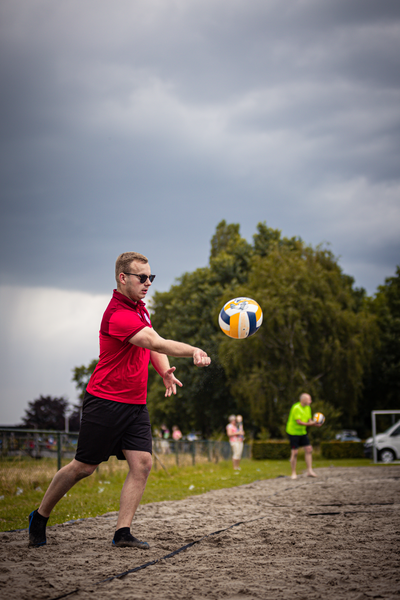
23 482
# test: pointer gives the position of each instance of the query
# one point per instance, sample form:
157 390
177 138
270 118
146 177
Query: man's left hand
170 382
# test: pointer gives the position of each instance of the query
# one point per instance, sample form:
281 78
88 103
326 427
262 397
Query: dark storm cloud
140 125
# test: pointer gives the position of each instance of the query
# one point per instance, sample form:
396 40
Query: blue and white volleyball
240 318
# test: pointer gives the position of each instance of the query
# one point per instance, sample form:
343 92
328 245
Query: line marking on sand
171 554
186 546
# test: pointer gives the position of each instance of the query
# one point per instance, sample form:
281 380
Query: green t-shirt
298 412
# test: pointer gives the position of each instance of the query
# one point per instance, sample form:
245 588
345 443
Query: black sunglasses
143 278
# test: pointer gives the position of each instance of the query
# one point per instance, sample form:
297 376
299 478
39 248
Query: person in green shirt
299 419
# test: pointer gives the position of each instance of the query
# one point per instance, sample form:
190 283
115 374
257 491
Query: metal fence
37 444
185 452
29 458
44 452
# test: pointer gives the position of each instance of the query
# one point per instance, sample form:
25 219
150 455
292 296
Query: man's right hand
200 358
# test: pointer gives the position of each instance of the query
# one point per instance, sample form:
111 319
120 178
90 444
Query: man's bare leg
139 469
62 482
134 486
308 458
293 462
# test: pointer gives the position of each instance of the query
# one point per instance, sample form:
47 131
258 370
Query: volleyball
240 318
319 418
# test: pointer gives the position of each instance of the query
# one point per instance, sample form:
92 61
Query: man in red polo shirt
115 419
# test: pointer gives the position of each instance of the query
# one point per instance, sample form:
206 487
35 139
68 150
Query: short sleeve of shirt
298 413
123 324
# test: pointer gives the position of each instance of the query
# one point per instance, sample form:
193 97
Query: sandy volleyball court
337 536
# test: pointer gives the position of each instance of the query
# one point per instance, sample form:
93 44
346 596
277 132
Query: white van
387 444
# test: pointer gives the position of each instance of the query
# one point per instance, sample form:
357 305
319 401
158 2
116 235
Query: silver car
387 444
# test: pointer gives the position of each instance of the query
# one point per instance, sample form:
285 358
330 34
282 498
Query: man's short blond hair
124 260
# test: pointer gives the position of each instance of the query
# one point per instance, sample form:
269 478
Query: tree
315 336
229 257
382 380
81 376
389 355
46 413
186 313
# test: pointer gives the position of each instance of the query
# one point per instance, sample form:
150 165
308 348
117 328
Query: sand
336 536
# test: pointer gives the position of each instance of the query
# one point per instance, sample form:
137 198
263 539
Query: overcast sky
141 124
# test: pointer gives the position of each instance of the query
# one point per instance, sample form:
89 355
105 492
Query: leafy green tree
266 239
382 380
187 313
81 376
230 256
390 340
46 412
315 336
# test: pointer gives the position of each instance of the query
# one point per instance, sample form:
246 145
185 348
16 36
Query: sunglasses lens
143 278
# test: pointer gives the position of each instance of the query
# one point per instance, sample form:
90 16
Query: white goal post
373 415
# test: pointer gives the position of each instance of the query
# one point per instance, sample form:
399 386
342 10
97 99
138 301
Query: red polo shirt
122 371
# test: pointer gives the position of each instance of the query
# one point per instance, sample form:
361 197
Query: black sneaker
128 541
37 529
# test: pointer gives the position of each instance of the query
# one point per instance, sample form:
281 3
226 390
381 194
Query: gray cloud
142 124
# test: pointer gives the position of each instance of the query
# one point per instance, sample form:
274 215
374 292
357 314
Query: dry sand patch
337 536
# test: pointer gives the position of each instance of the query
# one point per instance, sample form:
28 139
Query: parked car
387 444
347 435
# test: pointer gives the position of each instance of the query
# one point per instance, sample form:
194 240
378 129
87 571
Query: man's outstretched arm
148 338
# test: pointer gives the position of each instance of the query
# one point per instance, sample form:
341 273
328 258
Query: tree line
320 335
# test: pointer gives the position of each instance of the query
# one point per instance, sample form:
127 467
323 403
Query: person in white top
235 433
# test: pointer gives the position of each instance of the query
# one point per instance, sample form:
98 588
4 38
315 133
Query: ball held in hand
319 418
240 318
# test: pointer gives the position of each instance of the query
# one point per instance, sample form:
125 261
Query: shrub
270 450
342 449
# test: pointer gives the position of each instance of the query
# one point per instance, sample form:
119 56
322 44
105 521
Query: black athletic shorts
298 441
108 427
